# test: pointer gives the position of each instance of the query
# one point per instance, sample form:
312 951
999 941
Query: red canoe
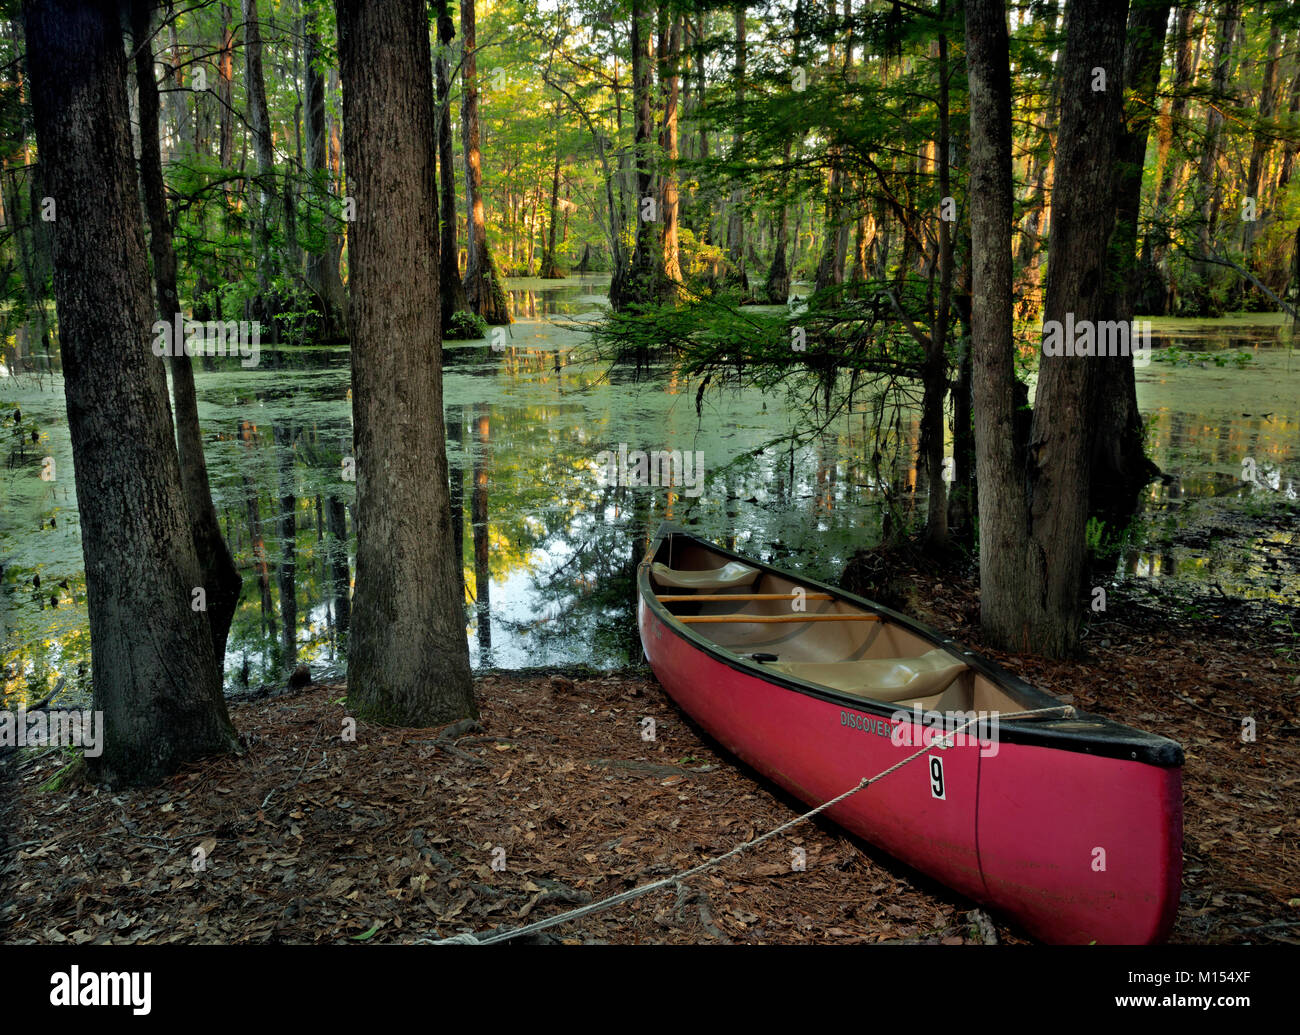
1069 823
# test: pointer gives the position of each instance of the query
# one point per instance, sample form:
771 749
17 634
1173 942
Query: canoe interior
815 642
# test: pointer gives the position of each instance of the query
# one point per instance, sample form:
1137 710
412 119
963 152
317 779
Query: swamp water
550 549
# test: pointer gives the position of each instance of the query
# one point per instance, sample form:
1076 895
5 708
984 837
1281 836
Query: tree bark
408 661
936 353
484 292
999 454
1186 60
1209 179
322 272
259 129
1119 465
736 203
221 578
1262 142
1083 214
154 672
550 267
452 290
669 57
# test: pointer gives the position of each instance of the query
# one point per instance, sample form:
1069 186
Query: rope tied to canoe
495 937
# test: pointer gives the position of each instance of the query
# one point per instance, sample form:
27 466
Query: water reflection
549 551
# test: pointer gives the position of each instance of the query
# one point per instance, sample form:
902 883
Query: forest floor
406 834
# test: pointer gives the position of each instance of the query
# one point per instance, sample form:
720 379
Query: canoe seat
729 576
881 679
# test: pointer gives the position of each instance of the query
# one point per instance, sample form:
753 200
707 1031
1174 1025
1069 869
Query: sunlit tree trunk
450 286
670 55
484 292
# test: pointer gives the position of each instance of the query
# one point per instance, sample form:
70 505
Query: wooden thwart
739 619
673 598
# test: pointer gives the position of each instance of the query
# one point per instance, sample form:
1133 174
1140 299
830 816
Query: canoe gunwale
1109 739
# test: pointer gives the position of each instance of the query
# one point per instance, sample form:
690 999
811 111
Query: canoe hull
1077 848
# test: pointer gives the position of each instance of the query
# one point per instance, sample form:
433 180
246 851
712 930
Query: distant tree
454 299
483 289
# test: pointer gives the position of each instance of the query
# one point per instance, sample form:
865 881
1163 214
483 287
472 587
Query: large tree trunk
155 675
1033 502
999 453
221 578
408 661
1083 214
484 292
450 286
1119 465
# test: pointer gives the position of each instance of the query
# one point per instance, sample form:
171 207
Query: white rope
627 896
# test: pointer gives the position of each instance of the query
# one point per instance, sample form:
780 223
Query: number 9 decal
936 777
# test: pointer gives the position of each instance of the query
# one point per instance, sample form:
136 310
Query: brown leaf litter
556 800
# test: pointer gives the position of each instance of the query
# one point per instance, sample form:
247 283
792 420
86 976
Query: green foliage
465 326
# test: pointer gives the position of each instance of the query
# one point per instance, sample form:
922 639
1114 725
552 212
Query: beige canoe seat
881 679
729 576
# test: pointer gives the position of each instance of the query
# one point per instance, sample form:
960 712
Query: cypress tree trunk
259 129
408 661
1186 60
221 578
449 283
999 454
484 292
669 56
1119 466
1209 178
736 205
550 268
936 353
155 676
1083 215
642 283
322 267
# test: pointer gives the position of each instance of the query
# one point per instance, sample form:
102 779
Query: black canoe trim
1107 738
